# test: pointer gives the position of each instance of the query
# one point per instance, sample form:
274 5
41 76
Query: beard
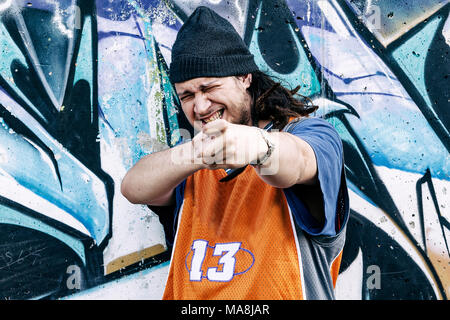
244 117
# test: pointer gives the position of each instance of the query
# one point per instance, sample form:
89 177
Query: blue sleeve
327 146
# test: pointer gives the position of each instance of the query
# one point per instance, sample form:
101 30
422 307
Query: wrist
265 149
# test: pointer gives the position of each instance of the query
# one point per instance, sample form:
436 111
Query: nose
201 104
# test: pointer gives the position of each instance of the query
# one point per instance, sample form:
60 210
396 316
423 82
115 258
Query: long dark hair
272 101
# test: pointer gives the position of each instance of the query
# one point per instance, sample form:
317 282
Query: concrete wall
84 94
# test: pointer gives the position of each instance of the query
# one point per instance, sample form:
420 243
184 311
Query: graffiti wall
84 94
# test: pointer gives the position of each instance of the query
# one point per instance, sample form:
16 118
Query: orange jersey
224 241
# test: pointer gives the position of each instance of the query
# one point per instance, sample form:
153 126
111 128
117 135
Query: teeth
215 116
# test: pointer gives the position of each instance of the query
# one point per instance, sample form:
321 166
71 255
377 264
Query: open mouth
215 116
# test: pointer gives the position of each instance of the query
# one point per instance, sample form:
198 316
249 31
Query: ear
245 80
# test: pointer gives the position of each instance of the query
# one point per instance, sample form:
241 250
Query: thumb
215 127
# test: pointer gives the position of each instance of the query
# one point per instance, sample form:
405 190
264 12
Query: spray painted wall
84 94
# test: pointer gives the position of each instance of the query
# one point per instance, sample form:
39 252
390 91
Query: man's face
207 99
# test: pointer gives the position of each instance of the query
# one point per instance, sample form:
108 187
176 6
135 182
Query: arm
295 166
293 161
153 178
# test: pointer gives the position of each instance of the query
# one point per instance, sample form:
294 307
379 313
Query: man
277 229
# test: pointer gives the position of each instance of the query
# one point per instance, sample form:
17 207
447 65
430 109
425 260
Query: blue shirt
327 147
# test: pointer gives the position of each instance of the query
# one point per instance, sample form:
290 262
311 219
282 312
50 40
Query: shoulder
310 124
317 132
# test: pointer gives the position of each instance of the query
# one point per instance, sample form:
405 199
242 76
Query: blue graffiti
84 94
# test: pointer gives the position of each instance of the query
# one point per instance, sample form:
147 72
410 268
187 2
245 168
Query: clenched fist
222 144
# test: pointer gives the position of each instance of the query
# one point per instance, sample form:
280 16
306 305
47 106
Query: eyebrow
202 87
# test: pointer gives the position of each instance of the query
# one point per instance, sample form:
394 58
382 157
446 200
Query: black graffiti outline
443 223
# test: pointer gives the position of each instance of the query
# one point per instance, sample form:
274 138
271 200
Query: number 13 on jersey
227 253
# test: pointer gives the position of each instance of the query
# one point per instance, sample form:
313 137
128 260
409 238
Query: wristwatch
270 147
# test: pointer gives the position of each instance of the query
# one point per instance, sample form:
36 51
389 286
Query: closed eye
186 97
210 88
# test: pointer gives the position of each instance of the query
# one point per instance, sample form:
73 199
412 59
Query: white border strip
300 263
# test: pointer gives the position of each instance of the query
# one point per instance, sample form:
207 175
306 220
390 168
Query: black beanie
207 45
